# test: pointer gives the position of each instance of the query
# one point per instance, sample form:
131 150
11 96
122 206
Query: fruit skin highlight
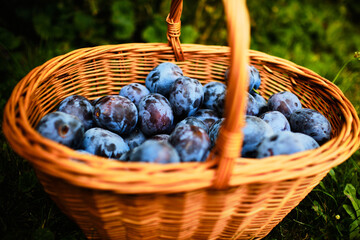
186 96
63 128
214 97
191 142
312 123
255 131
285 142
155 115
161 78
80 107
116 113
134 92
154 151
104 143
208 116
284 102
277 121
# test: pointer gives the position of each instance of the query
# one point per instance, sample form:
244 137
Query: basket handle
228 146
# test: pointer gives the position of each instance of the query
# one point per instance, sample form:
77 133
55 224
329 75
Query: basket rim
168 178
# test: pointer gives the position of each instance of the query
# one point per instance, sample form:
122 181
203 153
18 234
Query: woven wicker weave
225 197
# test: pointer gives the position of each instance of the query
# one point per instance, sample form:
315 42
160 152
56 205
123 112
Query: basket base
244 212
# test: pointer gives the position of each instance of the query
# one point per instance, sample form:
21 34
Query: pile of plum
174 118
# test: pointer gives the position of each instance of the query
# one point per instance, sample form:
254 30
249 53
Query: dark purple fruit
162 77
214 97
255 131
284 102
214 130
277 121
208 116
284 143
261 102
104 143
155 115
63 128
312 123
135 138
254 78
134 92
116 113
186 97
160 137
193 121
191 142
80 107
153 151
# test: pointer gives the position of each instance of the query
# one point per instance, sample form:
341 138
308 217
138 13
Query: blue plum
312 123
254 78
208 116
161 78
285 102
277 121
214 97
161 137
261 102
255 131
186 97
134 92
284 143
252 108
102 142
135 138
193 121
191 142
214 130
116 113
62 127
80 107
153 151
155 115
308 142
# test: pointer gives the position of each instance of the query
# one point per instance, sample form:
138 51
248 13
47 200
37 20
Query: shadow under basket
120 200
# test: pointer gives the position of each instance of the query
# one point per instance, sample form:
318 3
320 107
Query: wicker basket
227 196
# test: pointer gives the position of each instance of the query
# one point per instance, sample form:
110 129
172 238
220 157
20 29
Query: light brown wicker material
226 197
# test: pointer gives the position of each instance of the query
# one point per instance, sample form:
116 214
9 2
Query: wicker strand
174 29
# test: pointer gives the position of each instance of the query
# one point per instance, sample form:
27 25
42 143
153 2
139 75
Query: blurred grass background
319 35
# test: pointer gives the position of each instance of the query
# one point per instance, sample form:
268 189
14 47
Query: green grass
322 37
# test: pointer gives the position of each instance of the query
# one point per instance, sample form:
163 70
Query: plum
276 120
193 121
161 78
155 115
208 116
186 96
153 151
135 138
80 107
116 113
62 127
214 97
191 142
312 123
102 142
214 130
284 143
134 92
255 131
285 102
